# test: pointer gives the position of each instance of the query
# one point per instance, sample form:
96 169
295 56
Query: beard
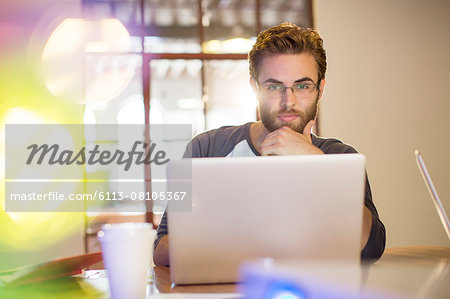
272 123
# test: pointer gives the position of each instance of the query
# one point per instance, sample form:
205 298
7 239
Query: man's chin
294 125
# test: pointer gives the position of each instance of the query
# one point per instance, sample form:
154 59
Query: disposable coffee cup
127 254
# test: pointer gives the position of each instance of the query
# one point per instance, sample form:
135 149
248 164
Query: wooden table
435 261
421 253
164 285
430 255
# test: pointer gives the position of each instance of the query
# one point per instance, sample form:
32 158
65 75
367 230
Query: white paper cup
127 253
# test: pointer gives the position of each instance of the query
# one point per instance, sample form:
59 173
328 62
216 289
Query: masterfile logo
53 155
75 168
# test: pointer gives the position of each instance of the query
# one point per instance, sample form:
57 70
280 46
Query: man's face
292 108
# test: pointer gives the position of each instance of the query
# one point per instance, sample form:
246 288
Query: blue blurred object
268 279
282 289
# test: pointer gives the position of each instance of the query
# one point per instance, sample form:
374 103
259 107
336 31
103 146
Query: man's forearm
366 228
161 254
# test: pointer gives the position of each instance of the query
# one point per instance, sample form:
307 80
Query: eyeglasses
278 90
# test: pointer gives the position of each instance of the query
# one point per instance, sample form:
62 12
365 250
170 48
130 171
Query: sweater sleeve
162 229
196 148
377 238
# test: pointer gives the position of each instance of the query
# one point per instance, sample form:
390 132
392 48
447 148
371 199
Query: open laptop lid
255 207
433 192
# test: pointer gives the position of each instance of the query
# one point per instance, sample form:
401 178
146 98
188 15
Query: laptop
248 208
433 193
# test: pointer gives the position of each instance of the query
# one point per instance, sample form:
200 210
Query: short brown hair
287 38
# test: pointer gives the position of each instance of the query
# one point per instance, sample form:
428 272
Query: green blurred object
64 267
29 238
61 288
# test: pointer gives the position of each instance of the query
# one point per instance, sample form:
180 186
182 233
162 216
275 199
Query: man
287 74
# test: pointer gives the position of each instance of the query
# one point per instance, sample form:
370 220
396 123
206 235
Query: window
187 60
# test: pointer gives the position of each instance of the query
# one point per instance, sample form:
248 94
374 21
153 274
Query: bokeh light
74 70
29 238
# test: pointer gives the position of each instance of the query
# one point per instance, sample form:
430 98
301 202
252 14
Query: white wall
388 93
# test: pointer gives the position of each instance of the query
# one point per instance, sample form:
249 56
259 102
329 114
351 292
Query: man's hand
161 254
286 141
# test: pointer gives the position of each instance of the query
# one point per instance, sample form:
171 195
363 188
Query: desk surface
423 255
427 254
429 276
